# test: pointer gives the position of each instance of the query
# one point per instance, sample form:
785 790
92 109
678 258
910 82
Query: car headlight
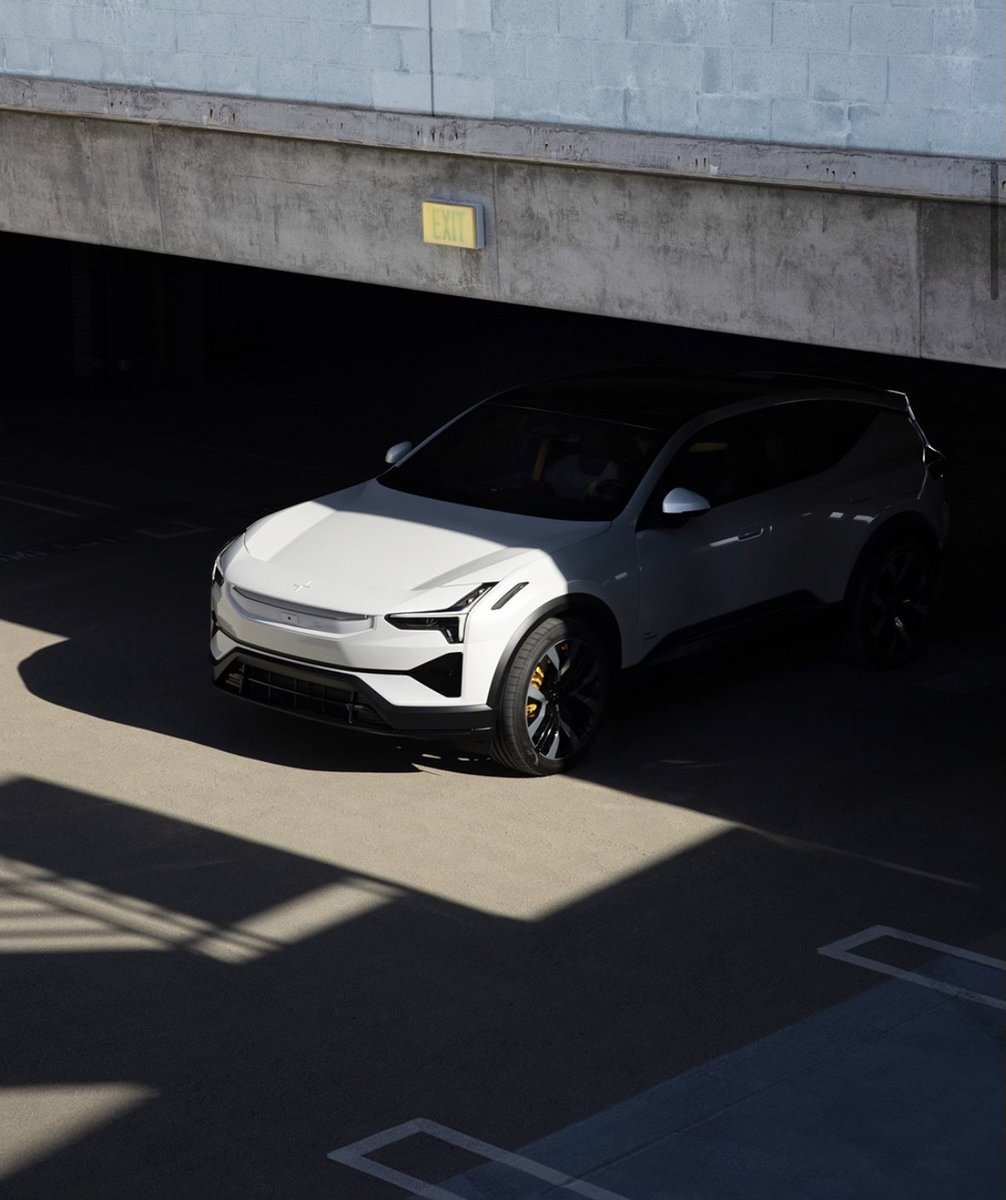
218 571
449 621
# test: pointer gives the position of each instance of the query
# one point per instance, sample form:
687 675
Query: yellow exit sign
449 224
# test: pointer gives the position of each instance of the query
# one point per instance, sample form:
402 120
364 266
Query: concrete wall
925 76
833 267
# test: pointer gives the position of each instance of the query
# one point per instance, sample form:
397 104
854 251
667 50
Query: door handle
752 531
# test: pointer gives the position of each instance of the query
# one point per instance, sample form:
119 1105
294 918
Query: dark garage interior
301 382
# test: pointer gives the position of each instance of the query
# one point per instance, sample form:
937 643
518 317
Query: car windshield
526 460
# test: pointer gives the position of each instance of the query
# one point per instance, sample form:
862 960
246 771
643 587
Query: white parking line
63 512
28 487
355 1156
840 950
180 529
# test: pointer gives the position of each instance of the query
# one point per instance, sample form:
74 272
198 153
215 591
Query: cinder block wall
925 76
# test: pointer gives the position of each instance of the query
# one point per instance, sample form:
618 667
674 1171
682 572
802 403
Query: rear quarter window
892 442
808 437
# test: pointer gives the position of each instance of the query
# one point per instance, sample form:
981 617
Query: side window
722 462
756 451
807 437
893 443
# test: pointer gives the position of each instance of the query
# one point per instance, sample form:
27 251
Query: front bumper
340 697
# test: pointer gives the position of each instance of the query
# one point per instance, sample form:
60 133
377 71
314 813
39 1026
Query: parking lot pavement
234 944
850 1102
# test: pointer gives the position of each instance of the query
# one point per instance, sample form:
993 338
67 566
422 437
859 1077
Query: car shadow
133 620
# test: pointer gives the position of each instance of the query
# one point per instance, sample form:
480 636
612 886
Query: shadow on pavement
145 951
900 767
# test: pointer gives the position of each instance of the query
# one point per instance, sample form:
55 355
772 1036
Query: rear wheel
553 697
890 601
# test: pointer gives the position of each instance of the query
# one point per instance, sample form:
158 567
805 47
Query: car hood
371 549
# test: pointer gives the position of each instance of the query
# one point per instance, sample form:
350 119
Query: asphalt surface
235 944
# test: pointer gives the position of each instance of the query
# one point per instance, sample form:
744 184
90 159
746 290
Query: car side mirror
681 502
397 452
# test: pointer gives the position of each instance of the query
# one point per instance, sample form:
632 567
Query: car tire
552 698
889 601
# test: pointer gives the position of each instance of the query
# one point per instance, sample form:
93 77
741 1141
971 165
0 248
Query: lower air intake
334 701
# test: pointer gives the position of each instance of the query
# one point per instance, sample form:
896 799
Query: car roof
666 400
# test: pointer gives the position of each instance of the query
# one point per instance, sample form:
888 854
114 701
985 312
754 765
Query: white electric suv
486 588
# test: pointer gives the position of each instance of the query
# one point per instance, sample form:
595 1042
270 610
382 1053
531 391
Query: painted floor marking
841 950
172 529
28 487
63 546
63 512
355 1156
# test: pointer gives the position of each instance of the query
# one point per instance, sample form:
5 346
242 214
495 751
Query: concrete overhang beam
880 172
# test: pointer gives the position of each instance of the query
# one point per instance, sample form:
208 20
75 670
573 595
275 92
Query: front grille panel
334 701
262 608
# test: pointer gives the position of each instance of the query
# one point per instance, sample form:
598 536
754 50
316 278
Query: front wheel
890 601
552 698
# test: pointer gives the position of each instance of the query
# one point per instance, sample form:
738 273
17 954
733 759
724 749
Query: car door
720 562
820 500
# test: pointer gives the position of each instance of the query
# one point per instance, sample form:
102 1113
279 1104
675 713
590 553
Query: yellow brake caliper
537 679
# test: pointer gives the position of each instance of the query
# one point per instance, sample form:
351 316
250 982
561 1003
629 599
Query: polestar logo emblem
298 586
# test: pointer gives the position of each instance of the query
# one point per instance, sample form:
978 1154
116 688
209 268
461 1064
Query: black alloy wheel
553 698
890 603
